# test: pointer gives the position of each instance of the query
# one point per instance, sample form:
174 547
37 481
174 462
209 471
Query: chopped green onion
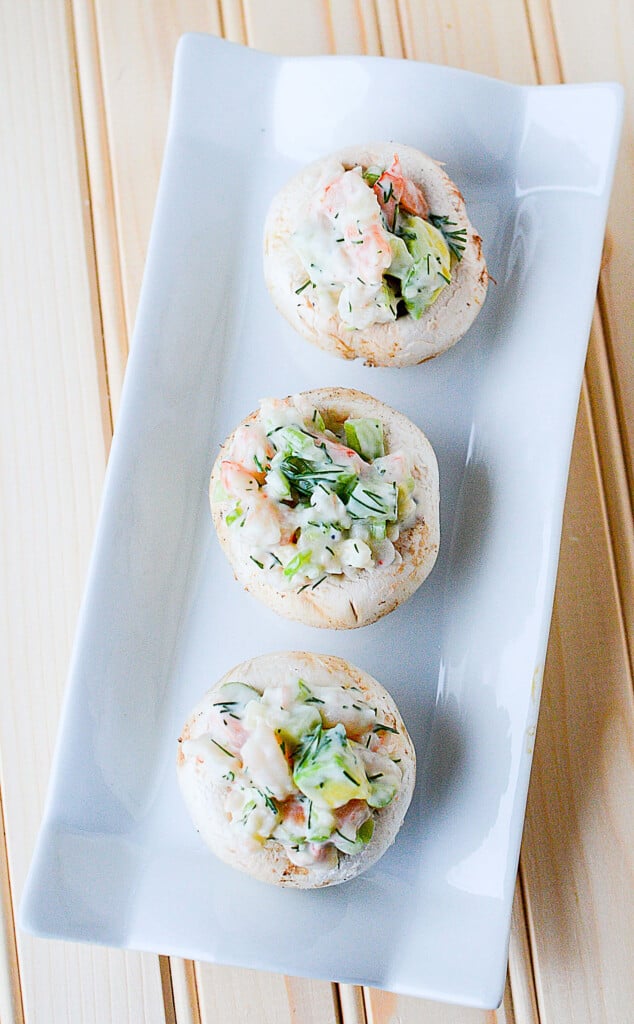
224 750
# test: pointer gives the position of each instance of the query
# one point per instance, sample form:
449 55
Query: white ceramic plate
118 861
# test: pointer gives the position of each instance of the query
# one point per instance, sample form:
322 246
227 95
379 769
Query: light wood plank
613 470
102 206
491 38
233 25
450 46
352 1004
289 26
580 821
54 436
390 30
353 27
185 991
387 1008
256 997
521 981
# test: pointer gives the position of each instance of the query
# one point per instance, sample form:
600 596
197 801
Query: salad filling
371 248
306 767
308 502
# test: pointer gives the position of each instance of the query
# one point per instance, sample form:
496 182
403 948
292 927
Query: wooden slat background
83 113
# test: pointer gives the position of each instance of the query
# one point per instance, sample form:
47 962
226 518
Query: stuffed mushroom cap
370 253
297 768
326 504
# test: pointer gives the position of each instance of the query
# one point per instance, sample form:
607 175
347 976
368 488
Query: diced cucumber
348 844
382 790
235 696
277 485
377 529
219 493
377 500
295 441
365 436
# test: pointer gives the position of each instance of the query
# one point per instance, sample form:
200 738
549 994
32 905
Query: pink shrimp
351 816
393 189
342 454
371 251
251 446
381 742
294 812
228 731
395 467
321 852
237 480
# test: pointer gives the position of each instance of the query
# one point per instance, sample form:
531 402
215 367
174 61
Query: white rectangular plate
117 860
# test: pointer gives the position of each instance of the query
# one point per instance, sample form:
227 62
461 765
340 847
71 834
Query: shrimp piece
323 854
251 448
262 525
294 813
343 455
395 467
228 731
392 190
372 254
351 816
236 480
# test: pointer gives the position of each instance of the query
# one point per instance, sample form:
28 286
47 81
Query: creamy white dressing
303 766
345 249
305 506
361 256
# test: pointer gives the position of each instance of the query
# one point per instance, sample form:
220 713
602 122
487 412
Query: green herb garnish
456 240
220 747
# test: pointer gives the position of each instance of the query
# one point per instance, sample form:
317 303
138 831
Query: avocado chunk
328 771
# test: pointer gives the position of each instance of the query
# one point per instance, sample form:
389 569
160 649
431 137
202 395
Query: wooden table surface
84 100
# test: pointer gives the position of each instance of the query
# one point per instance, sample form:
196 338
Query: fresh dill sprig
456 240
